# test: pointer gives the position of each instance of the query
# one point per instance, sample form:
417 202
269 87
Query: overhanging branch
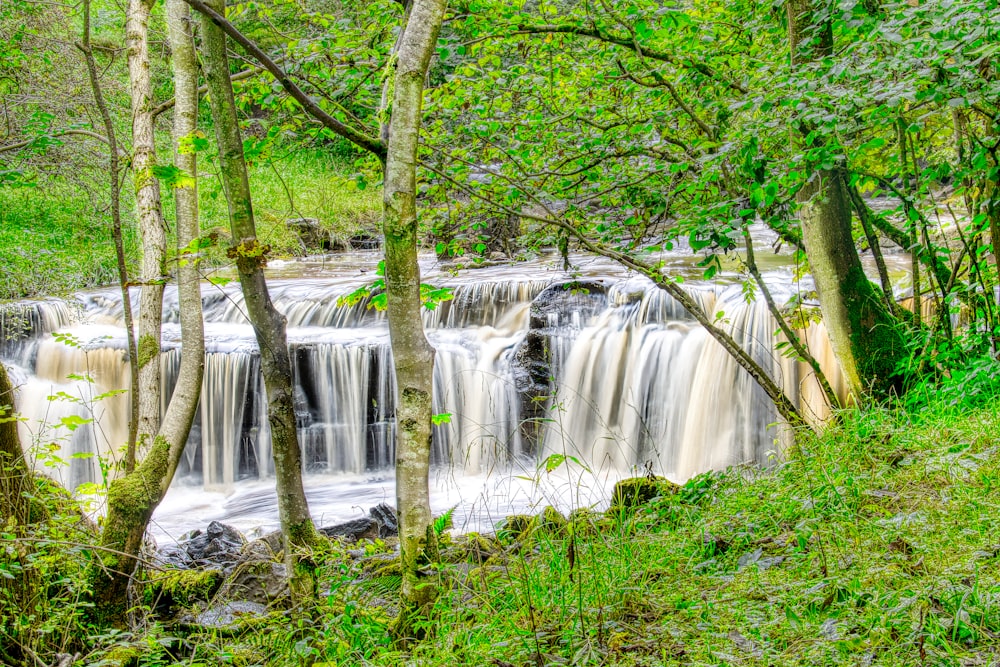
360 139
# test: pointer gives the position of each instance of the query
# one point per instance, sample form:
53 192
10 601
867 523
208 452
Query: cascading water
606 369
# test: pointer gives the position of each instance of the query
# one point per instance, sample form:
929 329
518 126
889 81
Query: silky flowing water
594 364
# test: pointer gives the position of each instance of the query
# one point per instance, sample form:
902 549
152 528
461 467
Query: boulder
218 547
634 492
561 303
381 522
264 582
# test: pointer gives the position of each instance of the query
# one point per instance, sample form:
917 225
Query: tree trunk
412 353
149 213
114 169
133 498
865 336
15 478
269 324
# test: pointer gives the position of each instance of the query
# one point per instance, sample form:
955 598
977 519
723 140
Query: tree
152 229
866 337
133 497
413 356
15 477
298 531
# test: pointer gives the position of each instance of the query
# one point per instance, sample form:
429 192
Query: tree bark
269 324
149 213
412 353
114 169
865 336
15 477
133 498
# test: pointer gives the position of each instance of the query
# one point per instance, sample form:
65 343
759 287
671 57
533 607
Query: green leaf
73 422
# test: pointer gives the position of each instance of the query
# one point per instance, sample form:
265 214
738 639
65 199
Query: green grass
876 543
294 183
53 240
56 238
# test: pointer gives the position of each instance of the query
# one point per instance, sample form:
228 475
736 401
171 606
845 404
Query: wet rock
386 516
230 613
218 546
268 546
262 581
381 522
364 528
560 304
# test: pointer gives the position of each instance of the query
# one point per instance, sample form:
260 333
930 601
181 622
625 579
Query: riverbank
55 237
876 543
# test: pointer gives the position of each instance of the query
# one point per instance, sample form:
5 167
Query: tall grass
53 239
56 238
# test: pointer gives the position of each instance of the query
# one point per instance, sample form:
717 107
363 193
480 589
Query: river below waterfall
532 361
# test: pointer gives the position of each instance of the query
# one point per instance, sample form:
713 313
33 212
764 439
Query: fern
443 522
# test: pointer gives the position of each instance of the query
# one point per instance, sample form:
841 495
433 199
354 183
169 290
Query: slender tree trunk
149 213
412 353
865 336
269 324
15 477
133 498
114 169
793 338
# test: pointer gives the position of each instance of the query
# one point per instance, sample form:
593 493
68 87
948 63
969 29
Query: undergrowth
875 543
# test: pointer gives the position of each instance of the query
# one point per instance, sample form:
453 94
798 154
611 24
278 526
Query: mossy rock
182 588
516 527
552 521
630 494
472 548
586 521
121 656
381 565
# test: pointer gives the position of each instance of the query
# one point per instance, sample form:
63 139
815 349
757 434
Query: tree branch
239 76
360 139
595 33
60 133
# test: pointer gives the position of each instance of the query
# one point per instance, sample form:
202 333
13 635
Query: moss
122 656
182 587
143 177
148 349
877 340
635 492
516 527
552 521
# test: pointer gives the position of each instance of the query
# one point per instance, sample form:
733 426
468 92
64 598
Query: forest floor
55 238
876 543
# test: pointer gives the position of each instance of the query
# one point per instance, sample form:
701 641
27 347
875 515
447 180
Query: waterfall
607 369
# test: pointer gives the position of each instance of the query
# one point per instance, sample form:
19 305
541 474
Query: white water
637 384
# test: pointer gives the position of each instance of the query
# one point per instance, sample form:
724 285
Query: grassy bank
56 238
877 543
